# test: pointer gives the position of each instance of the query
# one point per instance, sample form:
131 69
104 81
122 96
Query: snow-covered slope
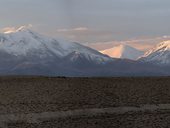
24 42
123 51
25 52
160 54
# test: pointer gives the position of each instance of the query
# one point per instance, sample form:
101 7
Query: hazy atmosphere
84 63
90 21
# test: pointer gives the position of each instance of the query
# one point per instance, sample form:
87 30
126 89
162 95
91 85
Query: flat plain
34 96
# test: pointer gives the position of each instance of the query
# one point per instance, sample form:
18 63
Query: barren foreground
44 102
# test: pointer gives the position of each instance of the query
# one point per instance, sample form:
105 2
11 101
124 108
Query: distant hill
123 51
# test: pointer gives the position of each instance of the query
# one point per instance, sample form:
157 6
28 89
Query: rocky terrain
49 102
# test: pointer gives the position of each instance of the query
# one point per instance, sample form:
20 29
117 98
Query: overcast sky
89 20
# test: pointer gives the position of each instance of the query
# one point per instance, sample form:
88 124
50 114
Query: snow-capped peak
123 51
160 54
163 46
19 42
24 42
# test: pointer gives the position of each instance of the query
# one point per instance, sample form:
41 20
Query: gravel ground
44 94
129 120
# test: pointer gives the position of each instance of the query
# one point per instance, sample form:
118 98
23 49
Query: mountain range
25 52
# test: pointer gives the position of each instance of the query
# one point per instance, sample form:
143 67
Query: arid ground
46 102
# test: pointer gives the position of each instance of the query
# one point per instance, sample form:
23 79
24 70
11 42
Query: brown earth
46 94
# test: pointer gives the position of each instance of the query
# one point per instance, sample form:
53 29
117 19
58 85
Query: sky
89 21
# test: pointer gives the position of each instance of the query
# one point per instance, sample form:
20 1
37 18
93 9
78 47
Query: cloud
14 29
141 44
73 29
84 34
81 29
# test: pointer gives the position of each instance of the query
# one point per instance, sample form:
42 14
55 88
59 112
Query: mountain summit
24 42
25 52
160 54
123 51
